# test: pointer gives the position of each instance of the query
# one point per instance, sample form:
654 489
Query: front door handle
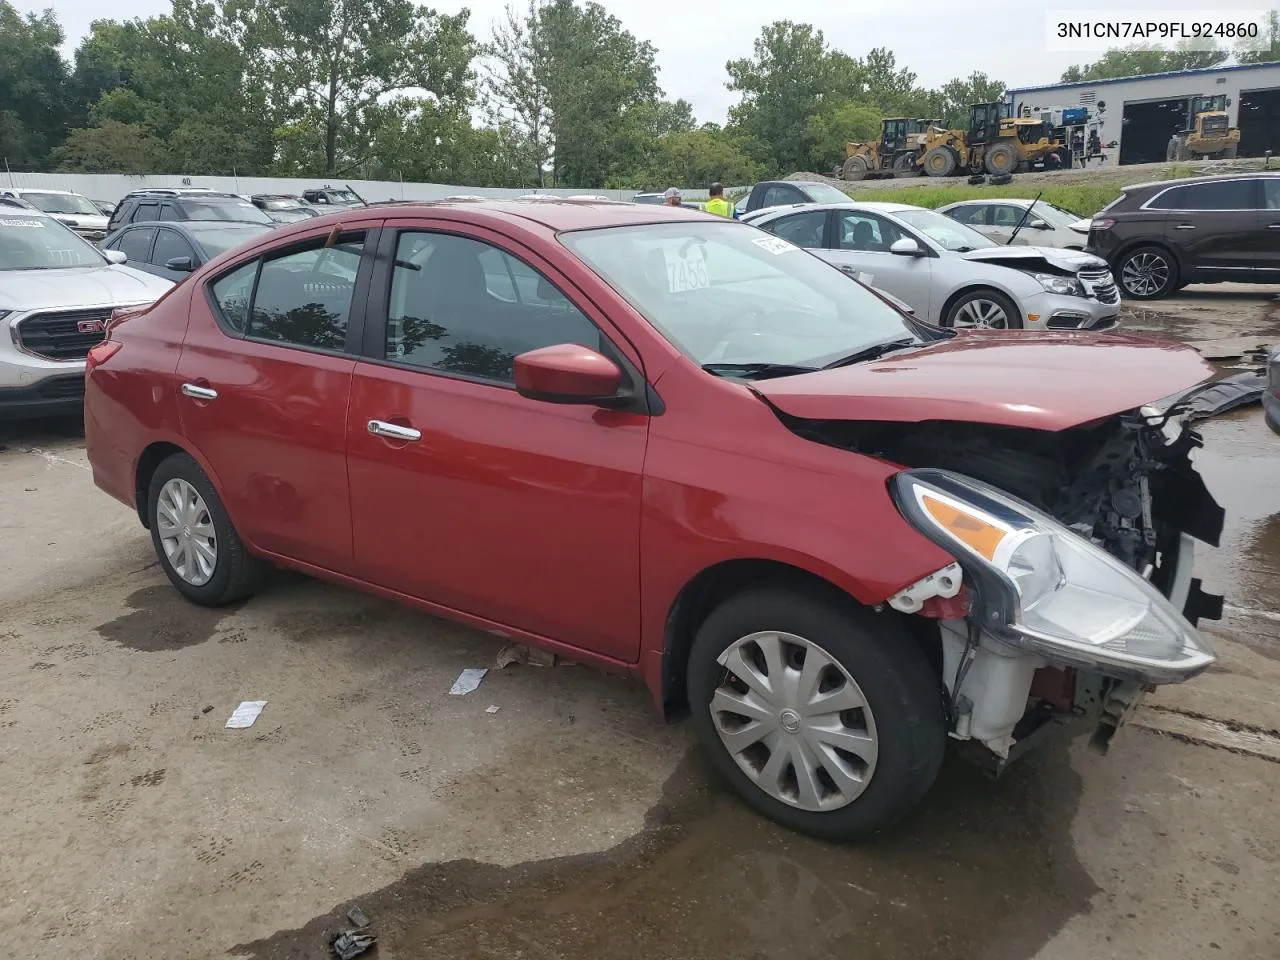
199 393
393 431
1185 226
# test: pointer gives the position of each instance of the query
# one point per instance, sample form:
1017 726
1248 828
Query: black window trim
373 348
356 313
1258 196
138 228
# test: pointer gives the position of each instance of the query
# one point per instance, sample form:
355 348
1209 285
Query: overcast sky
937 39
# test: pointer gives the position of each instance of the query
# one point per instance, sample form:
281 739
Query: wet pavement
572 823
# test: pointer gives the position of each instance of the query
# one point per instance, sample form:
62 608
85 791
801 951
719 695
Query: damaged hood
1033 380
1031 258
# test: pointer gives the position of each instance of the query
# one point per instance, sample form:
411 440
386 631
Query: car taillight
120 314
99 354
1103 223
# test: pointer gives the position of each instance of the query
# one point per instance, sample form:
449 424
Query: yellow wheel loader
993 144
896 154
1208 134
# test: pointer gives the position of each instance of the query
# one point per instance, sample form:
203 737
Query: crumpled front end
1072 593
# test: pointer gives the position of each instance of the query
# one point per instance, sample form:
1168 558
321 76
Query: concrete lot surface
571 822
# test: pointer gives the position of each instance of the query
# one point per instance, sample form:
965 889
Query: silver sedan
1045 226
950 274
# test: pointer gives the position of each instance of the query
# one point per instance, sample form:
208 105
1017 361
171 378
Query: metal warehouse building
1139 114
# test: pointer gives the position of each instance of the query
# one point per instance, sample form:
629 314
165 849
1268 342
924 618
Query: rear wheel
194 539
1147 273
939 162
983 310
904 165
1001 158
855 168
822 715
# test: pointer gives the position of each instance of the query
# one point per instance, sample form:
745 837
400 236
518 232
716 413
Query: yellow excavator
896 154
1208 134
993 144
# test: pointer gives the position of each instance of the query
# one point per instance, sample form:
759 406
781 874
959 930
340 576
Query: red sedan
679 447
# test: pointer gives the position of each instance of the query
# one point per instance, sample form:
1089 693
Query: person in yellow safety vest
718 205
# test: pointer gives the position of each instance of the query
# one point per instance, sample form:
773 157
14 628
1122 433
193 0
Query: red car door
265 379
466 494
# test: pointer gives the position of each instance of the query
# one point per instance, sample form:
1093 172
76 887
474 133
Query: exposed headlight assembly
1067 286
1045 588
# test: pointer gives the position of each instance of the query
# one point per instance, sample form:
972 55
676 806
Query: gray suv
57 292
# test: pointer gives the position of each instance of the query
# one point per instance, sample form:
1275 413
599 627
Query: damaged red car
682 448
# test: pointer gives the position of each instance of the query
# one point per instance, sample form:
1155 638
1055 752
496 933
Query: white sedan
949 273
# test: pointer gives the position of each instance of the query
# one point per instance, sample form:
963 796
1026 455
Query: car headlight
1067 286
1046 588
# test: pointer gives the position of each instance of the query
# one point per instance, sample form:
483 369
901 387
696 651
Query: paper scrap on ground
492 708
468 680
245 714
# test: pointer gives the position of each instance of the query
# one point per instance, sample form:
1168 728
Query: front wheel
855 168
823 716
194 539
1148 273
983 309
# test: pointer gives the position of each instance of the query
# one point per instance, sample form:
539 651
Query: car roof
554 213
1181 181
1014 201
22 190
873 206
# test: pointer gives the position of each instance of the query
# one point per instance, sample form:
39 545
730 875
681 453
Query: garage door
1259 122
1148 127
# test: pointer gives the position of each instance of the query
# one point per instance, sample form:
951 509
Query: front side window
465 307
233 291
865 231
169 246
1271 193
36 242
726 293
803 229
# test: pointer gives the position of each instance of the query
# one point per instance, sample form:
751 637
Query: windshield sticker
36 222
774 245
687 272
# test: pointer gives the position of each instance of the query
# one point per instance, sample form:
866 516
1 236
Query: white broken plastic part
943 583
244 715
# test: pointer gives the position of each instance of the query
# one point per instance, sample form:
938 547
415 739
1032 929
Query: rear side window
233 292
1212 195
803 229
136 244
778 195
1271 193
975 214
145 212
304 298
169 212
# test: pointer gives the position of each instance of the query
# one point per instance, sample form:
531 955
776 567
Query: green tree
698 158
426 144
956 96
791 76
329 65
112 147
514 95
33 77
1272 53
837 125
1141 59
892 90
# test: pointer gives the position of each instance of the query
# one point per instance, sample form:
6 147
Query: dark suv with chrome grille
57 292
1161 236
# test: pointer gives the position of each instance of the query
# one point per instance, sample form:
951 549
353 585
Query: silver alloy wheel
980 312
186 532
795 721
1145 275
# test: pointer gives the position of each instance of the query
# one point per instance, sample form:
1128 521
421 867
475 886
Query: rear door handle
393 431
1185 226
200 393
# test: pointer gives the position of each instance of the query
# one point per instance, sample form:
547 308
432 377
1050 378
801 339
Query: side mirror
567 373
906 247
1041 225
114 256
180 264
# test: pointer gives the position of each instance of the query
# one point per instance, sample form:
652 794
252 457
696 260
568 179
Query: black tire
904 165
855 168
939 162
1001 158
1000 179
236 572
977 179
1012 314
900 688
1154 263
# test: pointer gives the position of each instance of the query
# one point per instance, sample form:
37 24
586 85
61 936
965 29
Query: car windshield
823 193
341 196
222 208
39 243
217 240
67 203
282 203
944 231
727 293
1055 216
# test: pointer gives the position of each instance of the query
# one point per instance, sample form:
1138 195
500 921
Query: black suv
1158 237
155 204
